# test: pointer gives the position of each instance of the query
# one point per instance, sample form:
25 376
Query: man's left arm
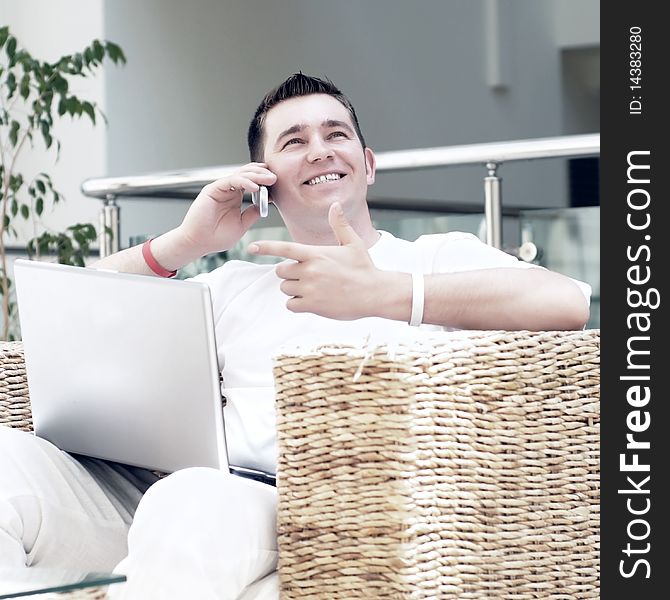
497 298
341 282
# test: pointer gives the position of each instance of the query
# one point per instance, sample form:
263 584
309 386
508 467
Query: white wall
416 72
577 23
49 30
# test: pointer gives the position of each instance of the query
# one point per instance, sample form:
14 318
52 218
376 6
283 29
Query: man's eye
339 134
293 141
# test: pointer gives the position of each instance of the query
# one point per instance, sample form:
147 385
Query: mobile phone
260 199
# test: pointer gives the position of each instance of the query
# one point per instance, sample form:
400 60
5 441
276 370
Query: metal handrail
399 160
489 154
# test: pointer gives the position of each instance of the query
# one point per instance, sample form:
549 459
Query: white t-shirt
253 324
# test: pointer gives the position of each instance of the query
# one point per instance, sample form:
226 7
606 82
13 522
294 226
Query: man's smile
319 179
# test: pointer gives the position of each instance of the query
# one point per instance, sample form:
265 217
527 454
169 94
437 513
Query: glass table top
19 583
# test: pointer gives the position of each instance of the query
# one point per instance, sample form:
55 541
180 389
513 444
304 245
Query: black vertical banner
635 462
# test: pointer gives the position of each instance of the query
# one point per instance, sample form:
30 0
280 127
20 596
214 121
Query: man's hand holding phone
215 221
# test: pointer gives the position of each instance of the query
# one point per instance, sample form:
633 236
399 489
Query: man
204 533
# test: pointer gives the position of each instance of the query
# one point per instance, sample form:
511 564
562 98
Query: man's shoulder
447 238
429 238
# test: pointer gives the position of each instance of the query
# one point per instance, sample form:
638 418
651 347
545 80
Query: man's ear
370 165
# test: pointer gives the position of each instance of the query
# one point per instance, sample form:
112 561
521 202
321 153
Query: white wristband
417 299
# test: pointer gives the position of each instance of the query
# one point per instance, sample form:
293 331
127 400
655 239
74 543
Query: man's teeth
324 178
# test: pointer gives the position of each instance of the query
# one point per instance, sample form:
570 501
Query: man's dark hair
296 85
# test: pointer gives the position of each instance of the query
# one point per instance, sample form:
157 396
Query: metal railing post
110 232
493 206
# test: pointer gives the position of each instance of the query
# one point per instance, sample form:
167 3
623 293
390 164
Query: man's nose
319 150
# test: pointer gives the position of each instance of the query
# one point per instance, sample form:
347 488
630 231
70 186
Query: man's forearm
170 250
503 298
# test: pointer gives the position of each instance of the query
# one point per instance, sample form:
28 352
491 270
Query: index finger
299 252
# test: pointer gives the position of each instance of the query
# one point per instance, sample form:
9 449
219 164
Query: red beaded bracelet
152 263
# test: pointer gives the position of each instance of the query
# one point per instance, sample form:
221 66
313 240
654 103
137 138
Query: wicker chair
465 465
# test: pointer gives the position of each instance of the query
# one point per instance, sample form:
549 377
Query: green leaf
39 206
14 133
14 208
90 232
87 107
48 96
11 85
23 58
25 211
60 84
62 107
79 237
4 34
115 53
11 47
77 63
71 105
40 186
43 243
6 220
46 133
45 69
63 63
98 50
25 86
15 182
88 57
45 177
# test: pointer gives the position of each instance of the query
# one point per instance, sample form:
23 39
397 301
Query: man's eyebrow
334 123
291 130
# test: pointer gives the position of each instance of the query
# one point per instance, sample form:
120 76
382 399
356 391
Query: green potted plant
34 94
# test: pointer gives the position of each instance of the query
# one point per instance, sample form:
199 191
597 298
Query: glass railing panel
568 241
408 225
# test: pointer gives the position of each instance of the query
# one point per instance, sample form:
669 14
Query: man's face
312 147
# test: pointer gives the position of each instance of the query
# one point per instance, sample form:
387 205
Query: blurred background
421 74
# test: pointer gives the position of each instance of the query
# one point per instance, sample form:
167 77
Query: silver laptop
123 367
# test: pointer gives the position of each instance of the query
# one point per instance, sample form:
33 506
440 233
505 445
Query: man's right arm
213 223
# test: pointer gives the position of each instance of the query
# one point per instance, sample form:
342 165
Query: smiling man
201 533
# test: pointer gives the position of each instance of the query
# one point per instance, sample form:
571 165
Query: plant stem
3 253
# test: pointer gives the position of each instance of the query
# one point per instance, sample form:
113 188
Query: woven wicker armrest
464 466
14 398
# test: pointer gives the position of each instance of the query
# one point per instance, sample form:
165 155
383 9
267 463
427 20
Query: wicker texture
465 466
14 399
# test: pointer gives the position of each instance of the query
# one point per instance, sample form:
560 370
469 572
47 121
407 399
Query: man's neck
321 234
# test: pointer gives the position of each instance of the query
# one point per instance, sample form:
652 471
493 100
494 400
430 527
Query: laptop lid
122 367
